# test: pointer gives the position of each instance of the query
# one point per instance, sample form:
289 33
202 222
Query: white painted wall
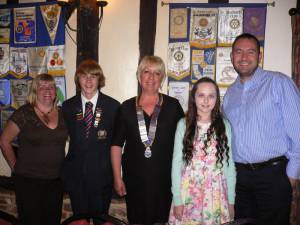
118 47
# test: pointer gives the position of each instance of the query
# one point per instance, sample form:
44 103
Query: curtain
295 19
296 48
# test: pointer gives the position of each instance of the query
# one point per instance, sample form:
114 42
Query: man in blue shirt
263 108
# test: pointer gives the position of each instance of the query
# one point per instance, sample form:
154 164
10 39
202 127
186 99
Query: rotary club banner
24 25
225 73
37 61
4 25
203 32
4 59
178 60
55 60
19 90
5 115
18 62
255 22
51 15
4 92
211 30
60 89
180 91
230 25
203 64
178 23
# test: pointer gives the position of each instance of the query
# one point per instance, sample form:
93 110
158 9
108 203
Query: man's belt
265 164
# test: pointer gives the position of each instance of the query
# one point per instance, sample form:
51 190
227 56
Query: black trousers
39 201
263 194
91 202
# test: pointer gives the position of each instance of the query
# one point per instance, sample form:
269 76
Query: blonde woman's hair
153 61
32 97
89 66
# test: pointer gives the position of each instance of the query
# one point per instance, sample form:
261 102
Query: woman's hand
178 211
116 155
120 187
231 211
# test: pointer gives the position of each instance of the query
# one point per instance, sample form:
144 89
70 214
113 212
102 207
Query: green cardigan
177 165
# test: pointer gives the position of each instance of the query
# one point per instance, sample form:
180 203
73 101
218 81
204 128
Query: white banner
203 27
20 90
178 60
18 62
230 25
4 59
55 60
37 60
225 73
180 91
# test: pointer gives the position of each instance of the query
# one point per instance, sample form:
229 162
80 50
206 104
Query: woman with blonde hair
146 124
41 133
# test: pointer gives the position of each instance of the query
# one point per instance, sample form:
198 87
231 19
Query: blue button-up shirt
265 116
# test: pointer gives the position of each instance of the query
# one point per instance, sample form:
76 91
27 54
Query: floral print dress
203 186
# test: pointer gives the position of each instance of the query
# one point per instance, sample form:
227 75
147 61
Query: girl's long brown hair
217 128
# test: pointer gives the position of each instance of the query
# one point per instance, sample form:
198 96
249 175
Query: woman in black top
147 157
42 135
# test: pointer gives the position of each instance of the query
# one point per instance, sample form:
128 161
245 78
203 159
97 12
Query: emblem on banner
51 15
178 60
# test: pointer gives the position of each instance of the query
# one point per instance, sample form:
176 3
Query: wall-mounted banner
37 60
60 89
24 25
55 60
18 62
230 25
180 91
5 115
4 59
4 92
51 15
178 23
19 90
204 27
255 22
179 60
203 63
225 73
212 28
4 25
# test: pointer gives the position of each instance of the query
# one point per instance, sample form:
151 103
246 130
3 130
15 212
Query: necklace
147 139
45 115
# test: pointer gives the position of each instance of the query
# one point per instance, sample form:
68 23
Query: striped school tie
88 117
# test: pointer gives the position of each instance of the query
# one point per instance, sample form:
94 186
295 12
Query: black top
41 149
147 180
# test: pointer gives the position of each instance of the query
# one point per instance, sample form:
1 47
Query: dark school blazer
87 165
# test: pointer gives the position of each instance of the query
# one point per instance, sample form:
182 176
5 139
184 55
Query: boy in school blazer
90 115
